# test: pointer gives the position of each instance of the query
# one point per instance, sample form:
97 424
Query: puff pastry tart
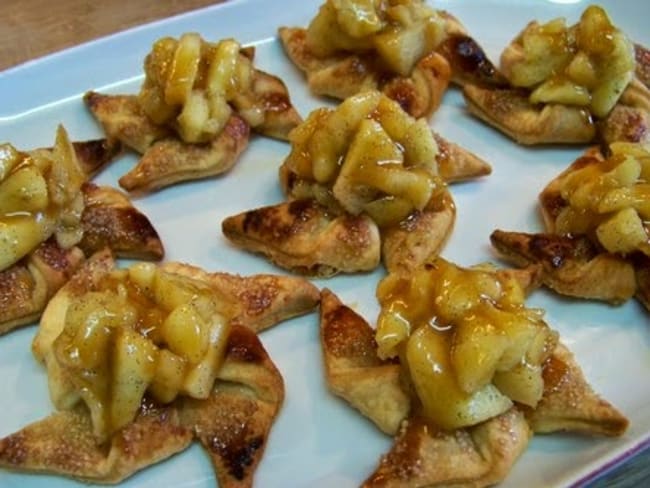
365 182
142 361
193 115
595 243
501 375
405 49
52 218
568 84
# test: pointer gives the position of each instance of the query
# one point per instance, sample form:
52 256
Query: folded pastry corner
419 237
570 265
456 163
123 119
482 455
305 237
169 161
570 404
354 371
262 300
27 286
110 220
234 423
510 112
63 444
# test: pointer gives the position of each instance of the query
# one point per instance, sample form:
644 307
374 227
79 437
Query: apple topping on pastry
405 49
460 371
362 180
143 360
196 106
565 81
595 213
51 217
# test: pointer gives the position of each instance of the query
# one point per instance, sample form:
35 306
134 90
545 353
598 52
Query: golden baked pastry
142 361
571 266
596 240
564 84
365 182
390 391
52 217
305 237
404 49
193 115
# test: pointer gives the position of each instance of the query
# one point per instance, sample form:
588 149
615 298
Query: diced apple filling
467 342
144 331
190 82
399 32
371 156
40 196
588 64
610 200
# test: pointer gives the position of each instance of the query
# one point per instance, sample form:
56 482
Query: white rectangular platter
318 441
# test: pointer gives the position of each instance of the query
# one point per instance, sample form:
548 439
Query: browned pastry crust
479 456
306 238
420 236
353 370
510 111
469 63
570 404
280 116
571 266
624 123
456 163
233 425
642 271
423 455
92 155
110 220
63 444
343 75
123 119
27 286
169 161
